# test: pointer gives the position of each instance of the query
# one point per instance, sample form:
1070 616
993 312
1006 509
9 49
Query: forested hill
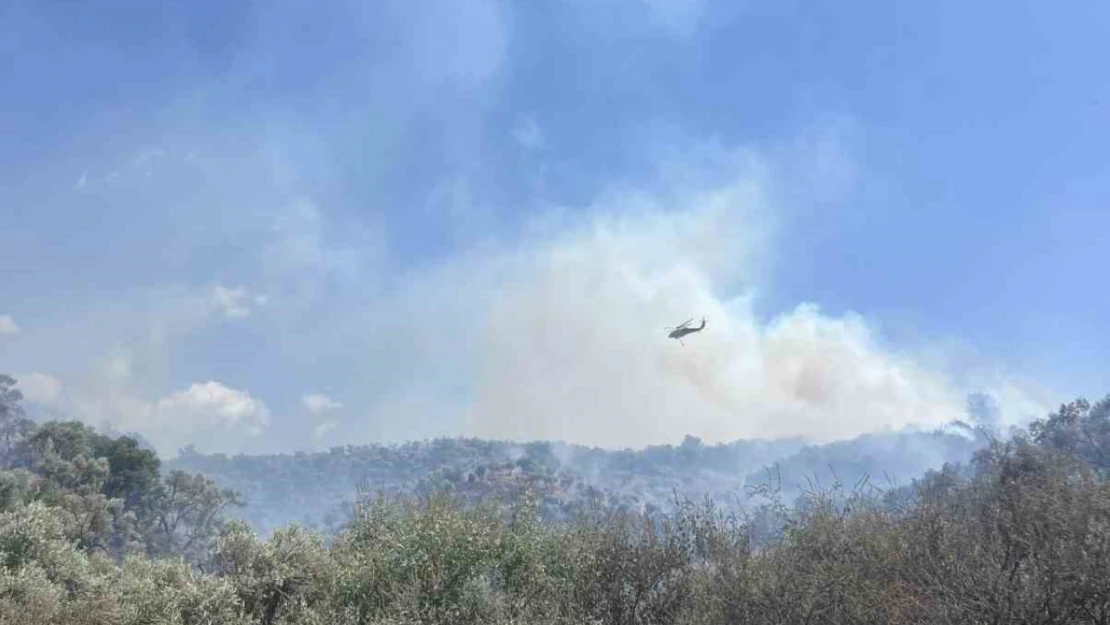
317 489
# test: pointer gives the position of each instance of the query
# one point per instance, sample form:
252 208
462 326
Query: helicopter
683 329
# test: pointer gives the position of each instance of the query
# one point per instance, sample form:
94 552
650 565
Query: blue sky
287 225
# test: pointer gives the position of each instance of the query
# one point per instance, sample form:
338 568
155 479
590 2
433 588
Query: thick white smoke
575 347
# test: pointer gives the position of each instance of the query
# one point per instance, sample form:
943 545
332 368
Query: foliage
14 425
188 515
109 492
1078 428
1020 533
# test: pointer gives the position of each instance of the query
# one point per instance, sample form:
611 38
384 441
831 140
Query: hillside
317 489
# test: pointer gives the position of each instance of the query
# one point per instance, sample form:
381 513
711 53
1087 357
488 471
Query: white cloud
40 388
214 417
7 325
214 405
317 403
234 302
142 327
120 390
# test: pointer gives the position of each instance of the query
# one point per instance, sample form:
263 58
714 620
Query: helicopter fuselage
682 331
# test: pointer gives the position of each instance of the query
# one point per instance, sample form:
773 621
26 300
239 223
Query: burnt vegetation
93 529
